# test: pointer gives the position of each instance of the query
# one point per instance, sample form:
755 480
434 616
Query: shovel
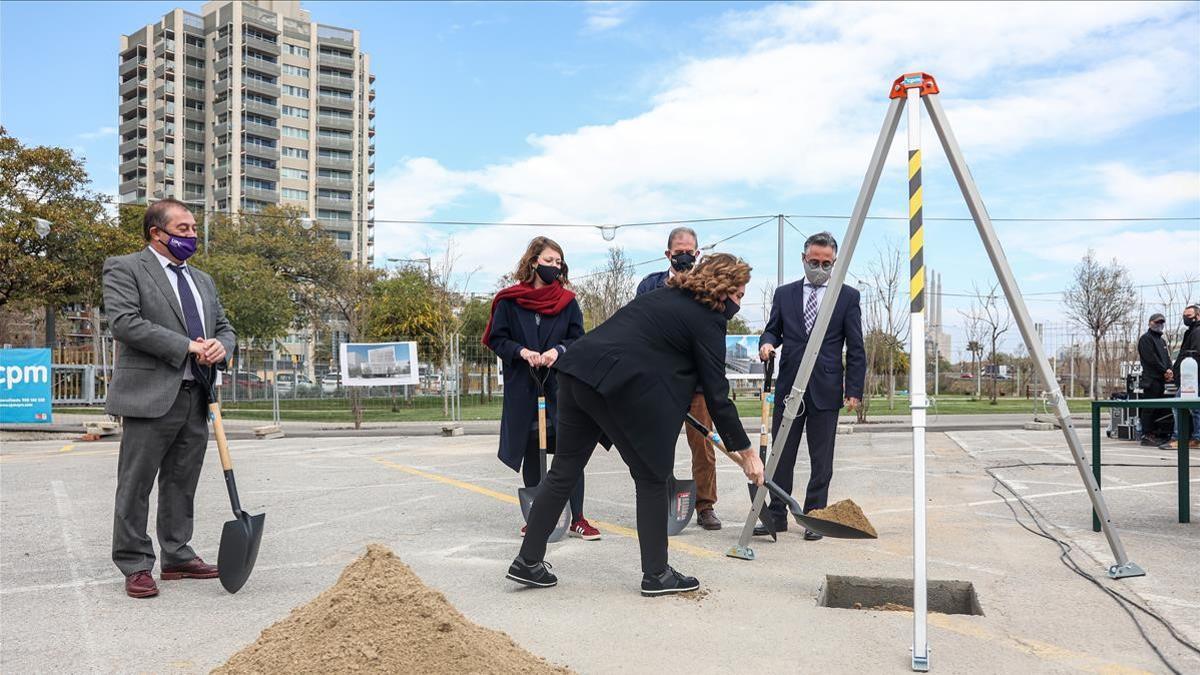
526 494
763 518
827 528
681 503
241 536
764 433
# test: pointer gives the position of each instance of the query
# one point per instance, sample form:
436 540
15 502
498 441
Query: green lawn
429 409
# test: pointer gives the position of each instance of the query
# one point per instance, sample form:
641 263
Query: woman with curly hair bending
630 382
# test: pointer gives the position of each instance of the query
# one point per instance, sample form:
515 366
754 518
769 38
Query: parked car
245 381
285 381
331 383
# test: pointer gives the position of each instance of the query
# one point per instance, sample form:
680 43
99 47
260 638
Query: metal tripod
912 88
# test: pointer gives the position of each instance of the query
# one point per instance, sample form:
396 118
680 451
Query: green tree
738 326
64 265
407 305
256 299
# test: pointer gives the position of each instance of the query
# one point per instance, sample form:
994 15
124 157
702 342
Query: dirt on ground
380 617
847 513
885 607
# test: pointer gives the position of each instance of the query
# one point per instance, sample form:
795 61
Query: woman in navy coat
534 322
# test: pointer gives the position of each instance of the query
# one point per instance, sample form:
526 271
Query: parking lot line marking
608 528
66 518
67 448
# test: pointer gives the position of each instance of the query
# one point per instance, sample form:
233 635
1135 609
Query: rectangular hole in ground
944 597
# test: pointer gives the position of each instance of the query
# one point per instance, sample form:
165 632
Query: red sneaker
584 530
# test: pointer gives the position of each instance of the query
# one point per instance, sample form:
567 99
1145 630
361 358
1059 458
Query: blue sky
625 112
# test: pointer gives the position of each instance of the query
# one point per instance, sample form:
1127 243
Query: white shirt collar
164 260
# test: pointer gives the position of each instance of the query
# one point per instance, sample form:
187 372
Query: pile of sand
380 617
885 607
847 513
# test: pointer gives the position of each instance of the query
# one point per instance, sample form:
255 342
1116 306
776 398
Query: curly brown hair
719 274
527 265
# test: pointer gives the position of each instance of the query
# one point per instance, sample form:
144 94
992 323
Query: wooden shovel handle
214 410
541 409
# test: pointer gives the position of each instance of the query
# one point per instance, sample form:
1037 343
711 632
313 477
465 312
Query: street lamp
42 227
609 232
307 223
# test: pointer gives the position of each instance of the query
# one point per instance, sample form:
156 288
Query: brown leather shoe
140 585
708 520
192 569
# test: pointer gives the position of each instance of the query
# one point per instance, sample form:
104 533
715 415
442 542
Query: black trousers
172 448
1155 421
531 472
583 416
821 426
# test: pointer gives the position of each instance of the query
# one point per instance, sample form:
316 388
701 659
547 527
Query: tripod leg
793 398
1123 567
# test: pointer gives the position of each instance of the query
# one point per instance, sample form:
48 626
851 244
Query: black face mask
731 308
683 262
1191 322
548 273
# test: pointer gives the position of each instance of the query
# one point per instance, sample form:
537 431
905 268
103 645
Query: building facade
251 104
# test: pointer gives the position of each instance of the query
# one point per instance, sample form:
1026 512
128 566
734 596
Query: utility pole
779 274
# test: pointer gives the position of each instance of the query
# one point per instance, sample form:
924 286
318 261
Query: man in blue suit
683 250
793 313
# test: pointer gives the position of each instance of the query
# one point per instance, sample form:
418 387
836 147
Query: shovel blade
681 495
525 496
239 549
831 529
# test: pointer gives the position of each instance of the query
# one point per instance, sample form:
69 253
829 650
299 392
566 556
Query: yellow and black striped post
916 234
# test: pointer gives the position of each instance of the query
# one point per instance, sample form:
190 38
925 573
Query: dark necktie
810 308
191 314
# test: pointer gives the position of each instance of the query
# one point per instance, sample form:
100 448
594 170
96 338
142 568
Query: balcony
133 184
336 81
164 48
221 150
197 197
335 61
194 71
222 44
221 129
260 87
371 112
336 102
262 66
371 149
333 203
129 146
255 171
334 163
193 155
131 85
194 114
335 35
221 65
371 129
163 90
268 109
165 68
335 143
335 122
271 48
261 130
132 105
134 164
196 135
163 112
193 51
371 94
335 183
220 193
132 125
193 176
192 91
222 86
132 65
260 194
260 18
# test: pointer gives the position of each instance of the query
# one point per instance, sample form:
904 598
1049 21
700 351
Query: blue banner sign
25 396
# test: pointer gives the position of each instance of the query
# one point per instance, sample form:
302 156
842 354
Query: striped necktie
810 308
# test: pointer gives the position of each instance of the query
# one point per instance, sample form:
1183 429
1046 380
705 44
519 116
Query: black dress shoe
809 535
760 530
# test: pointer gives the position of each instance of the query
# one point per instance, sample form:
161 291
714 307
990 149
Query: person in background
532 324
793 314
1156 372
630 381
683 250
1188 347
167 319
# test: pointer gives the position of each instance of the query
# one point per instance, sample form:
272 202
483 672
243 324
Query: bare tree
1101 297
606 289
1174 294
994 320
975 331
453 295
887 314
768 297
347 299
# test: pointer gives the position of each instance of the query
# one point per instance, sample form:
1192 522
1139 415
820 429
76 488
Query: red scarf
547 300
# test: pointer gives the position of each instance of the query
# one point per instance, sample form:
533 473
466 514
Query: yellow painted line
67 448
606 527
914 163
914 202
1035 648
5 459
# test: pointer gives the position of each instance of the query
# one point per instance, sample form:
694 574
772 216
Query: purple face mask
181 247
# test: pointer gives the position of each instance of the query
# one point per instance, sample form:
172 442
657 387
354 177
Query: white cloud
602 15
98 133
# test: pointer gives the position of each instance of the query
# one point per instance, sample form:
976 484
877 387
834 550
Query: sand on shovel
380 617
847 513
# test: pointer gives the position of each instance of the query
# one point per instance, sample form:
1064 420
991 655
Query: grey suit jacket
147 322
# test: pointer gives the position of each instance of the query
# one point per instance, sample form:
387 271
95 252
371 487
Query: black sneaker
667 581
536 575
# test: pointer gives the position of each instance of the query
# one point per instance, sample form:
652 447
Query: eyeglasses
817 264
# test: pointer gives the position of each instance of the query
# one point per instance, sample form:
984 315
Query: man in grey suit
169 323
